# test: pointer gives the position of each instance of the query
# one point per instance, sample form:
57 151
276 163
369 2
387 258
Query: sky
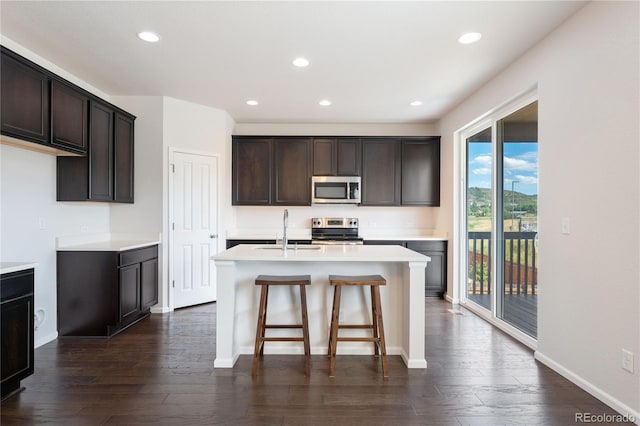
520 166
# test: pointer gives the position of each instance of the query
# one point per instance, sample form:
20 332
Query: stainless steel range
334 230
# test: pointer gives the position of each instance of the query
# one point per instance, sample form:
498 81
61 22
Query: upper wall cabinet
381 172
106 172
25 100
336 157
252 167
292 172
421 172
69 117
271 171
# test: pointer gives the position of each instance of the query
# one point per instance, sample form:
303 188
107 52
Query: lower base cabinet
435 283
435 280
101 293
16 329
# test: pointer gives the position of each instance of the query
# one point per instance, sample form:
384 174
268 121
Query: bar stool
268 280
377 327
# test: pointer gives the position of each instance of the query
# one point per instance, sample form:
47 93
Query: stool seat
265 281
376 326
283 280
357 280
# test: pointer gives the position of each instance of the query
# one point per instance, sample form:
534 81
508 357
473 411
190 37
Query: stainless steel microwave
335 189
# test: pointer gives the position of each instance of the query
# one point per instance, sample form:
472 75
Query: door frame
489 119
170 216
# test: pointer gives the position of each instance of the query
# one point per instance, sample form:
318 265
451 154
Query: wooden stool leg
333 311
264 318
334 331
260 329
305 330
383 348
374 320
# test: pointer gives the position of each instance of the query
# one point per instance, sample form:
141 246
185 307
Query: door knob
213 235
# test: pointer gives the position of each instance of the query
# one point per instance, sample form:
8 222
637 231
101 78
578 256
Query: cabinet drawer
16 284
138 255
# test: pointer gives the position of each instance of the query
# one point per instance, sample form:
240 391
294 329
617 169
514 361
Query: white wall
28 181
202 129
28 197
587 73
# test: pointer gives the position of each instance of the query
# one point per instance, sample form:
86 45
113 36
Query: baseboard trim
451 300
590 388
160 309
46 339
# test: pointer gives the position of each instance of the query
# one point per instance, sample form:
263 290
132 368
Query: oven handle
336 243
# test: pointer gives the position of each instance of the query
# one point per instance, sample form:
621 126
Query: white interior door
194 228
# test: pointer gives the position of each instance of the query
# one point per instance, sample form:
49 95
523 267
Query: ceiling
371 59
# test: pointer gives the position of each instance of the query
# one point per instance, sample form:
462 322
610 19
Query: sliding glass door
517 303
501 217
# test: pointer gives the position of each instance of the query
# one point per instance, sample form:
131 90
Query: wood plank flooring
520 310
161 372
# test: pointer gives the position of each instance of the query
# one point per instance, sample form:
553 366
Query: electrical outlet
84 229
627 360
42 223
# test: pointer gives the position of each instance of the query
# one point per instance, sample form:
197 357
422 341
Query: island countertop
320 253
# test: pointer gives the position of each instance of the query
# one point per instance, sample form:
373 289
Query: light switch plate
566 226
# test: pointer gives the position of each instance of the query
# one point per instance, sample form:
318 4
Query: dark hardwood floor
161 372
520 310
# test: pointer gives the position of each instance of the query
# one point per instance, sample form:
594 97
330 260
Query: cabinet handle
213 235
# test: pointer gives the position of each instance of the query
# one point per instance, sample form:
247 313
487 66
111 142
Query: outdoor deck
520 277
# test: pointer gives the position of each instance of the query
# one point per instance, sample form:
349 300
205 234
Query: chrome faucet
285 223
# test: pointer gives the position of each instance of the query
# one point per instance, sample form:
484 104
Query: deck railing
521 263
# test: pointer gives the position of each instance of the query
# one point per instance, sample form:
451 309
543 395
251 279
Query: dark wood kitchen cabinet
69 117
252 165
381 172
292 172
40 107
25 100
420 175
436 272
101 293
336 157
16 334
271 171
106 172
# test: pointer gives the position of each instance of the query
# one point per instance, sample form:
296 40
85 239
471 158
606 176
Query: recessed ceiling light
325 102
416 103
301 62
252 102
148 36
469 38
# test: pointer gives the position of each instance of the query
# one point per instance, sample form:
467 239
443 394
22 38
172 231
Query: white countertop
106 242
320 253
7 267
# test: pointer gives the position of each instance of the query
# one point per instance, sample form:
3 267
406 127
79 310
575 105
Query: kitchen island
238 298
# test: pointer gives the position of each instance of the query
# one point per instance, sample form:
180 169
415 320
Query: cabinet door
436 272
16 323
101 153
292 172
25 101
69 117
348 157
324 157
129 292
251 168
421 172
123 153
149 285
380 172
